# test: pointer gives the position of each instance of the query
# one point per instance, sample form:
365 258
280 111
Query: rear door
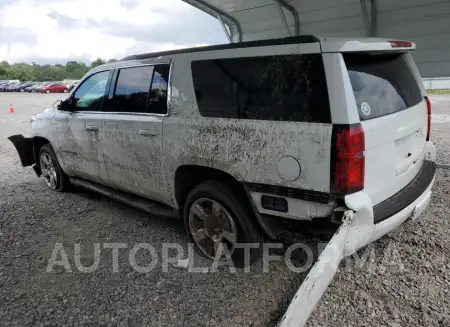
393 113
132 130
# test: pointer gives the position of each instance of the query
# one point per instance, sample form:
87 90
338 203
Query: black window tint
158 93
382 84
132 89
281 88
91 93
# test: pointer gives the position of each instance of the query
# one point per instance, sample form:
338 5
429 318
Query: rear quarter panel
249 150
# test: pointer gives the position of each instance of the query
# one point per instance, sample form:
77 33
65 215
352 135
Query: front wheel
65 91
216 218
53 175
48 91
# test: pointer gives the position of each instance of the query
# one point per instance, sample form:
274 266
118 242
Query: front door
132 130
79 130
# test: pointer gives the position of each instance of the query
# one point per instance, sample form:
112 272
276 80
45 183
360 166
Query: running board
149 206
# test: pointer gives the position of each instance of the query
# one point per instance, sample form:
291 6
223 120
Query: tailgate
393 113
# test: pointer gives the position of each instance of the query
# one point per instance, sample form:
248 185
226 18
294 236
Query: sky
57 31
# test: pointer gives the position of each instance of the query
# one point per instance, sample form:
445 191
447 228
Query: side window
280 88
91 94
132 89
158 93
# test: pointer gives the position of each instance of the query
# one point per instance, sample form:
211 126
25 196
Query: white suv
233 138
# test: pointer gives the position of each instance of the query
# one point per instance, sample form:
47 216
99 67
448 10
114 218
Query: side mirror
66 105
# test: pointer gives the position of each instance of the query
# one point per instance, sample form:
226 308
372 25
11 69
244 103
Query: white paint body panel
80 150
249 150
132 152
389 141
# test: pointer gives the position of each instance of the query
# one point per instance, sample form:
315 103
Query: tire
234 208
66 91
22 90
54 177
48 91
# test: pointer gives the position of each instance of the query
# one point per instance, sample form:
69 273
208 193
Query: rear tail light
401 44
428 117
347 164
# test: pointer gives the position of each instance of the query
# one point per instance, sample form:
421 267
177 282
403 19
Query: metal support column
370 16
225 29
224 18
280 4
283 17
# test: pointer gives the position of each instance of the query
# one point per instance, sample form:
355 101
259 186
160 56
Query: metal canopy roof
427 22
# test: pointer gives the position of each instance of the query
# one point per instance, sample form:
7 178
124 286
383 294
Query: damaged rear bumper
359 228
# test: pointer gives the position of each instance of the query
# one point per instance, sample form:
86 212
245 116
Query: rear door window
132 89
141 89
158 92
279 88
383 84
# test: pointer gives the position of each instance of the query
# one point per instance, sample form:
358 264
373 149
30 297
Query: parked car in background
55 88
38 87
30 87
11 87
21 87
4 86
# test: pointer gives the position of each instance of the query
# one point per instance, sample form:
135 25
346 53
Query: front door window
91 94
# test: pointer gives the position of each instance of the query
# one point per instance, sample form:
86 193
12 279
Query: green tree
97 62
40 73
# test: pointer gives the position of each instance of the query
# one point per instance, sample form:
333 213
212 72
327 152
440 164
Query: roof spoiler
366 45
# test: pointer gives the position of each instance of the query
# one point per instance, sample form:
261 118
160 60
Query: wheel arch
38 143
188 176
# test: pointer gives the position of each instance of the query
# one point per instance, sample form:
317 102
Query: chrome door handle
145 132
91 128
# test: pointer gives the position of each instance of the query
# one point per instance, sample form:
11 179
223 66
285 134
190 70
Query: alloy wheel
49 171
212 226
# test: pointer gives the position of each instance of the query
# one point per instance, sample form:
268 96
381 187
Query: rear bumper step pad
407 195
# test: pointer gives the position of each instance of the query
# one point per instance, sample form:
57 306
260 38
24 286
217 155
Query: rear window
280 88
383 84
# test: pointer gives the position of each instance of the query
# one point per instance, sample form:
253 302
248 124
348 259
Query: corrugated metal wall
426 22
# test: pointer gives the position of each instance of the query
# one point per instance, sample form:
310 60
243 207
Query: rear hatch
393 113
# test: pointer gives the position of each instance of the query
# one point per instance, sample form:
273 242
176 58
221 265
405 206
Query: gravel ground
404 283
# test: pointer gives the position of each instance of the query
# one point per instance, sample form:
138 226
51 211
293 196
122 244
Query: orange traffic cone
11 109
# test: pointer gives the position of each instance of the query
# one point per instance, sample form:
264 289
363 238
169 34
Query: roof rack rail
237 45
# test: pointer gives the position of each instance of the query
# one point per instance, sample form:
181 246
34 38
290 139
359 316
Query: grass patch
438 91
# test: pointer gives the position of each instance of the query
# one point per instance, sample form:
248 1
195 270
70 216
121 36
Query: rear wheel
217 219
54 177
